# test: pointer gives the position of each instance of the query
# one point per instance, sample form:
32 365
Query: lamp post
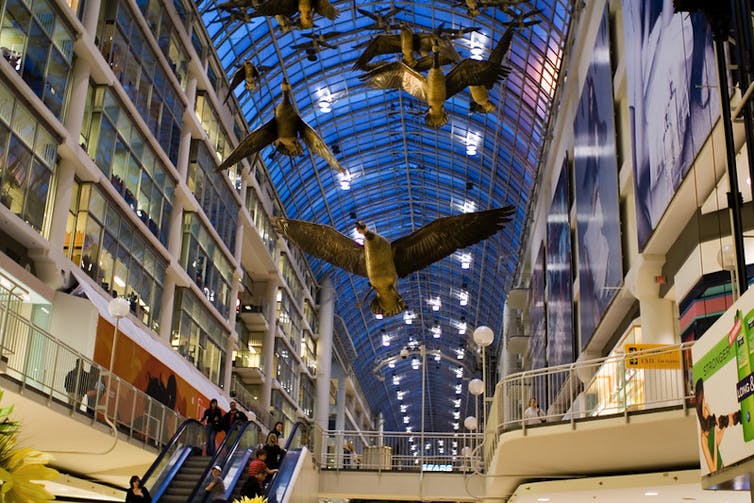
118 308
483 337
476 388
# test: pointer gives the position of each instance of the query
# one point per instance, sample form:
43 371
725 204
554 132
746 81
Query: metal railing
619 384
397 451
37 361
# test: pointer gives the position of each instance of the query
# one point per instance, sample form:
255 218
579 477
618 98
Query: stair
186 479
236 494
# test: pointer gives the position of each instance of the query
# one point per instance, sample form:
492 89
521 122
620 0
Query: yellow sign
652 356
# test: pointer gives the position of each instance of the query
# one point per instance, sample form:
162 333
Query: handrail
292 435
46 367
617 384
169 446
241 434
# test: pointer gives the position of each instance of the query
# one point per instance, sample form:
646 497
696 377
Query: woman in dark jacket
274 452
136 493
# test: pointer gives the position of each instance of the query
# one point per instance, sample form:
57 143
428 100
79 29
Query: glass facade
110 249
288 317
138 69
206 263
213 194
198 336
123 154
286 368
220 141
28 156
261 220
38 44
164 31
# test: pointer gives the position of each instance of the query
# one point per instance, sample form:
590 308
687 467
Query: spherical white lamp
470 423
483 336
466 452
476 387
118 307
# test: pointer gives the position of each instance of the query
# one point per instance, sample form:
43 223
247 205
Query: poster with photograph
673 100
538 327
596 187
559 281
537 323
723 385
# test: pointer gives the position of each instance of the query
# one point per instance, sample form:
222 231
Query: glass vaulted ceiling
403 175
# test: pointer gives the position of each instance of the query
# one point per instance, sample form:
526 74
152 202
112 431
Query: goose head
361 228
286 88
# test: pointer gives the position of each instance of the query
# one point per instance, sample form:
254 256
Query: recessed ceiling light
651 493
543 499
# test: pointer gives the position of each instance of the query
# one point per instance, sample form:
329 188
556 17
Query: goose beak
361 227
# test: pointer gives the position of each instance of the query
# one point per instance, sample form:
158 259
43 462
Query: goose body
283 131
383 262
287 9
437 87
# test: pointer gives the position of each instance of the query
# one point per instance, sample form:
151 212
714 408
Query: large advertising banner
596 187
559 283
673 100
723 383
147 373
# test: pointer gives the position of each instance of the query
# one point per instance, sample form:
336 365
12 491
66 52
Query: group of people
215 421
266 463
80 383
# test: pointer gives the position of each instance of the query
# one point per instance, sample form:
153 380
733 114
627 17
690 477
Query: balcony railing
397 451
37 361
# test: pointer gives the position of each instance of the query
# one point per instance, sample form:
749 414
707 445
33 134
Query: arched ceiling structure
404 174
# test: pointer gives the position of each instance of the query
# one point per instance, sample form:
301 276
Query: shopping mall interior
190 193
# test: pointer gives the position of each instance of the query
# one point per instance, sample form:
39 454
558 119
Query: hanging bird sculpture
283 130
382 19
436 87
383 262
407 43
480 94
247 72
318 42
289 8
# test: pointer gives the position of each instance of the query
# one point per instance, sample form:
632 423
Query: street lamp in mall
483 337
118 308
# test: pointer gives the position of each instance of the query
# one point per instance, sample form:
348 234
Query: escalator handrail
173 440
221 458
293 434
275 478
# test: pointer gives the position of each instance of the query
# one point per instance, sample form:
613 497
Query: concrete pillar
268 348
324 352
89 18
167 301
657 326
340 416
657 323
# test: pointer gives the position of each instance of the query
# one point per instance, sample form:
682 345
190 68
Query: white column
268 349
657 326
340 416
324 352
90 17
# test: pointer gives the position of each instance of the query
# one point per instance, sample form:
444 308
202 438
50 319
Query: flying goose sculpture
283 130
289 8
246 72
383 262
436 87
480 94
407 43
382 19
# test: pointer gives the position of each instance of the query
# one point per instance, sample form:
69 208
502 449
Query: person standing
254 486
75 383
274 453
95 388
533 414
232 416
216 488
136 493
212 420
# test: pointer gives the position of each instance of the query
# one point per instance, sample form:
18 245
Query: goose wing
398 75
238 77
276 8
442 237
317 145
381 44
253 143
325 9
470 72
324 242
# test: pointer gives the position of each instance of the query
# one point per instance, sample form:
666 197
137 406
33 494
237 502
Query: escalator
281 482
179 472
